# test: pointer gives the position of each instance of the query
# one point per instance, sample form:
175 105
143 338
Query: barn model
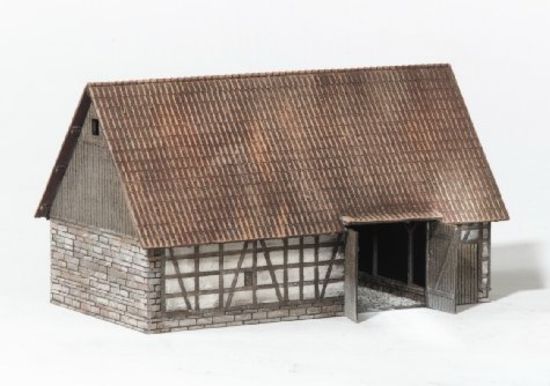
226 200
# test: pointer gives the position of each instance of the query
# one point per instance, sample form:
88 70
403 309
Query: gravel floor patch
374 300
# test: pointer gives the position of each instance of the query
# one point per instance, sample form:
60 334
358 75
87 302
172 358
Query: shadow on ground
516 267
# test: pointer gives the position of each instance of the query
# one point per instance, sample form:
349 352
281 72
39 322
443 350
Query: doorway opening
392 265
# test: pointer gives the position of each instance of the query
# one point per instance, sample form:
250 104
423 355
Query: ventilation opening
156 252
248 278
95 127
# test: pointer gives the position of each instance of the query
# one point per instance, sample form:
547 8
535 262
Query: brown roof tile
222 158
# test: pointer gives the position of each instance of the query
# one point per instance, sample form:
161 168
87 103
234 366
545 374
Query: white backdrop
500 53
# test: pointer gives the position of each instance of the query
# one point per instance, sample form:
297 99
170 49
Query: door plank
441 267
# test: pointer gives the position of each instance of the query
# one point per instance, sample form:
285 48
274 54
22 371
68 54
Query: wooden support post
285 268
220 267
197 284
316 267
254 271
301 267
375 252
410 252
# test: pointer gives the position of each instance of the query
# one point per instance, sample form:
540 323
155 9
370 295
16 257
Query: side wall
103 274
91 191
474 257
251 282
107 275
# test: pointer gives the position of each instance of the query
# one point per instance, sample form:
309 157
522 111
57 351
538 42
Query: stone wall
103 274
263 314
485 262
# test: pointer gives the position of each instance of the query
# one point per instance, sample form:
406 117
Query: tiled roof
214 159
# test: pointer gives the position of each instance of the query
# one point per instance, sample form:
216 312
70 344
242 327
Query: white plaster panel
293 275
323 272
309 273
279 275
208 248
260 262
277 257
334 289
263 277
309 255
325 253
185 265
169 268
240 298
337 271
293 241
178 304
209 264
230 262
328 238
209 301
238 246
274 243
228 280
266 295
172 285
333 273
182 251
309 240
209 282
293 256
293 292
309 292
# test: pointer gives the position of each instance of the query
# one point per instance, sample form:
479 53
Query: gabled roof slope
214 159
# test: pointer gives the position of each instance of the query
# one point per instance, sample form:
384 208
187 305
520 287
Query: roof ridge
249 75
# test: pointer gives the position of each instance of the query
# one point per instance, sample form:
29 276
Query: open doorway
392 265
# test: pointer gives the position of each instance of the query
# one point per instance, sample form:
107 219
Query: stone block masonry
103 274
111 277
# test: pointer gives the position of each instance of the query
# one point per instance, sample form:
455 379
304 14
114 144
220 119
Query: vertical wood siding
441 272
91 192
467 273
473 272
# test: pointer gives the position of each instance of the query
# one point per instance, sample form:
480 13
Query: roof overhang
391 217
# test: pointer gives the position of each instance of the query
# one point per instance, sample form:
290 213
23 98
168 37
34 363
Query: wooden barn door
351 269
441 270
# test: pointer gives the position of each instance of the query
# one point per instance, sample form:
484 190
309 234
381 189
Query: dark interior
390 243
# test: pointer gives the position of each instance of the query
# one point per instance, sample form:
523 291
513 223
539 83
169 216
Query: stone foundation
264 314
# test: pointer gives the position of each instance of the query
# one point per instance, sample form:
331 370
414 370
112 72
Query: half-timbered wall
252 273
